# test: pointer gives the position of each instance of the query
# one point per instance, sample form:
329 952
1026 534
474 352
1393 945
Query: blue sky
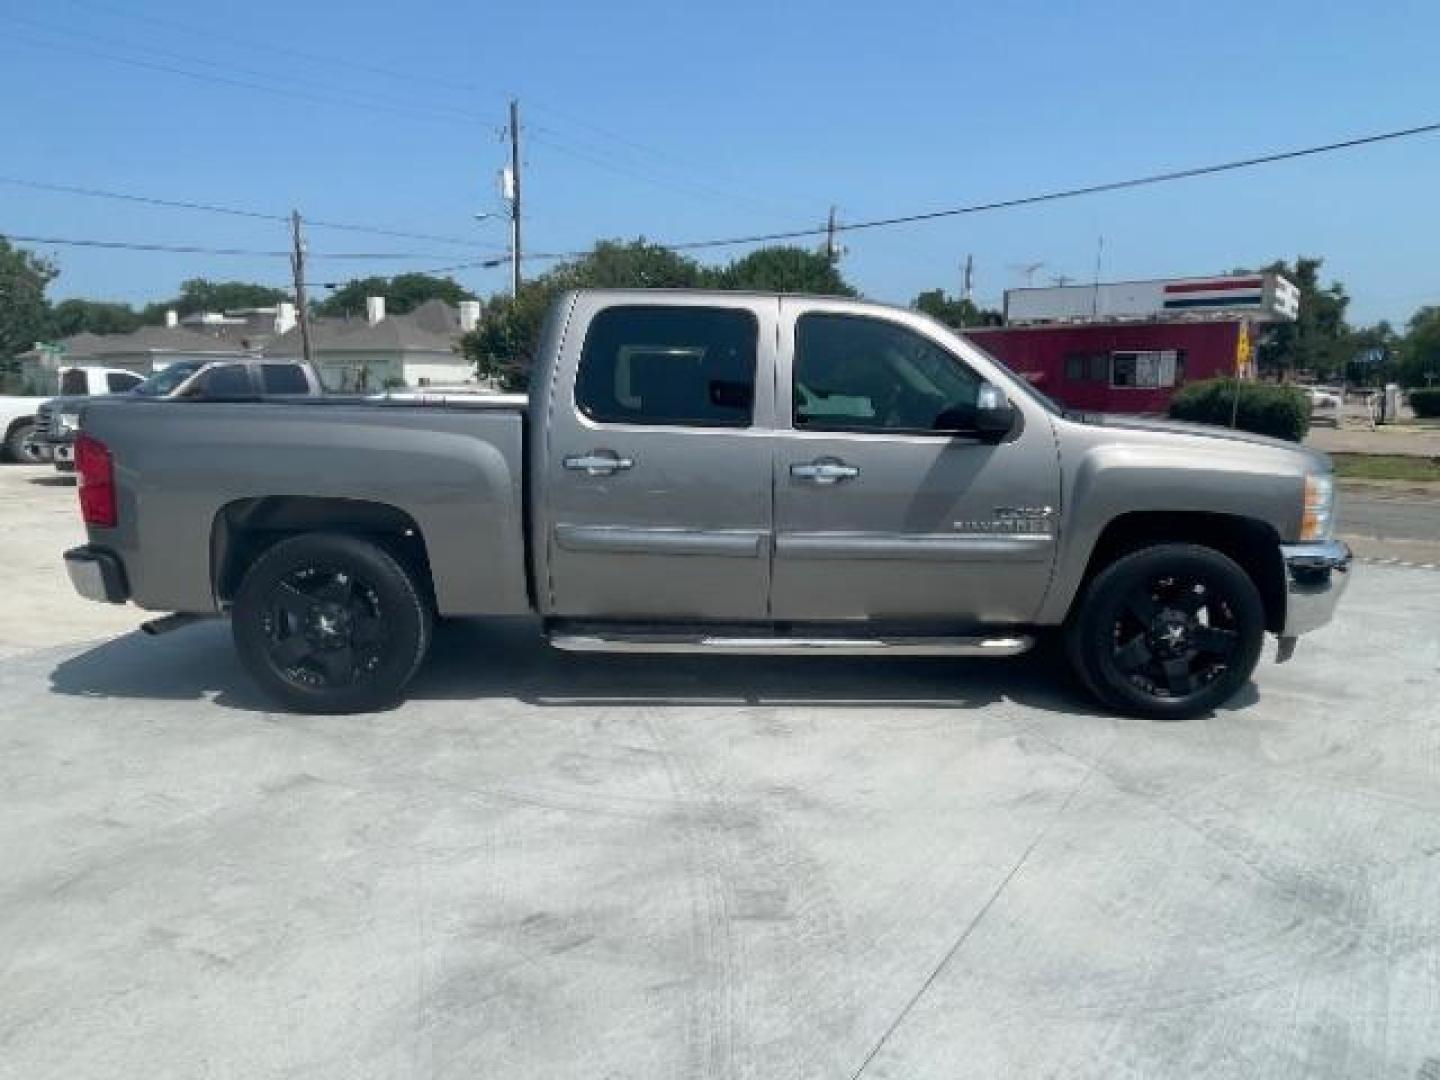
685 120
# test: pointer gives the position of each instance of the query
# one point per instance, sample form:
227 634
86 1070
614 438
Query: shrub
1266 409
1426 402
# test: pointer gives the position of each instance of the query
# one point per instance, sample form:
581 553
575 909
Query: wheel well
15 423
246 529
1254 545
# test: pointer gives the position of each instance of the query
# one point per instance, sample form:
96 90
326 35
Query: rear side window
228 380
73 383
283 379
669 365
117 382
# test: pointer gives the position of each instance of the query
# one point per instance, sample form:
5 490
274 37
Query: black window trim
932 433
667 425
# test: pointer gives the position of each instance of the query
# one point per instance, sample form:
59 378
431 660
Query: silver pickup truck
717 472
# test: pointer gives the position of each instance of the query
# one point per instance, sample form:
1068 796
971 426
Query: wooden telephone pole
515 197
297 265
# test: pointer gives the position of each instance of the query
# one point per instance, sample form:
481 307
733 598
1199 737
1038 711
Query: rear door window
684 366
118 382
284 379
226 380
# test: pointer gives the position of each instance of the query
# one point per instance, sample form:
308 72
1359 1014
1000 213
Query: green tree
785 269
503 345
1420 350
24 311
1372 354
200 294
402 293
1316 341
954 310
76 316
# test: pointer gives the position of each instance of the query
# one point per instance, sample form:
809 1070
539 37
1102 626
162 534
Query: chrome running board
721 644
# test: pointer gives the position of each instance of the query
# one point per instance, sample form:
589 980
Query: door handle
824 472
598 464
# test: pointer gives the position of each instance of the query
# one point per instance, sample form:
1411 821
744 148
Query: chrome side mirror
994 415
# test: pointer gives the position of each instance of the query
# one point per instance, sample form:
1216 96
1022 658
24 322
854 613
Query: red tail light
96 471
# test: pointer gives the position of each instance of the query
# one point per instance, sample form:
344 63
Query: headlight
1318 518
68 421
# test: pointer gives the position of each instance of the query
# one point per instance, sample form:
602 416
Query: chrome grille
44 419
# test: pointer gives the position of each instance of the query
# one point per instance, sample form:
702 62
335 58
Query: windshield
163 382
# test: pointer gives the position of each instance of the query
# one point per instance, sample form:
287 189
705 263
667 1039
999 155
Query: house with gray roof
142 351
419 348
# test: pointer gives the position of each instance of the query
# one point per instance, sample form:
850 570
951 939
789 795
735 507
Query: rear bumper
1316 576
97 575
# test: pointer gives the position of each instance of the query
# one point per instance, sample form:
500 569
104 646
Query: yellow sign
1244 353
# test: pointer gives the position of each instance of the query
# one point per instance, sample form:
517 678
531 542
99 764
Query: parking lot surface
551 865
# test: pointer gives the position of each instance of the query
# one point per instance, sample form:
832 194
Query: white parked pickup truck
18 412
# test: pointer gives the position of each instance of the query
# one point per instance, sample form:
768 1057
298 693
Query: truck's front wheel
329 623
1169 631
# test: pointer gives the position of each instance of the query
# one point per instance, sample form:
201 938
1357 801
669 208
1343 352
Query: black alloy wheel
325 627
331 623
1168 631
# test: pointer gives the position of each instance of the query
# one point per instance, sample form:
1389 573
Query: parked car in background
724 473
58 421
18 412
1326 404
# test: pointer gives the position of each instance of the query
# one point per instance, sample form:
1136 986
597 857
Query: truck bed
190 472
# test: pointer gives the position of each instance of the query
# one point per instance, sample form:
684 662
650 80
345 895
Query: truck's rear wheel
18 445
329 623
1169 631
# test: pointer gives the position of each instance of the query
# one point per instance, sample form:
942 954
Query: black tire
1167 632
15 444
330 623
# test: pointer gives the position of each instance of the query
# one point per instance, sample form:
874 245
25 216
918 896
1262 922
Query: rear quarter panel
455 471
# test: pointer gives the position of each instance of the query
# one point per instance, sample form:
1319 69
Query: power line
601 158
145 48
272 47
195 249
211 77
233 211
409 77
1049 196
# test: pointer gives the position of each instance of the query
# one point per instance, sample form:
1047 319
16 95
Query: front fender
1199 477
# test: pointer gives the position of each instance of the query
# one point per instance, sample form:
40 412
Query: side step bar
719 644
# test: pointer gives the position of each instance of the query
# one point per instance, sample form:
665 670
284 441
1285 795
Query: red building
1125 346
1120 367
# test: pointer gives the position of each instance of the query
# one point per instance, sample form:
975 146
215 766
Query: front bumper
97 574
1316 576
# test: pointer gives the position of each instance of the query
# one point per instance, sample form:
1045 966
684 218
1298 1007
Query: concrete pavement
582 866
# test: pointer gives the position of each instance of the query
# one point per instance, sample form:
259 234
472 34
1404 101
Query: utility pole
1099 259
967 285
297 264
515 197
832 254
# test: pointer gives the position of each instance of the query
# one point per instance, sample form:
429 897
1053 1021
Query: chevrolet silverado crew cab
716 472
